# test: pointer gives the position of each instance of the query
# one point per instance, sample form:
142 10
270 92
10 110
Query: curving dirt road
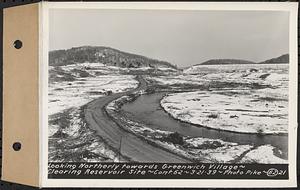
132 147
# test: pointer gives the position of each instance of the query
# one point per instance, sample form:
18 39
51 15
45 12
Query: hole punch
18 44
17 146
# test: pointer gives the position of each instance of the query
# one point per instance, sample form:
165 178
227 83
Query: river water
147 110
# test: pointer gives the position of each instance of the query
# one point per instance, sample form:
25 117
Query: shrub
264 76
60 134
253 70
84 74
260 131
175 138
210 145
213 115
150 90
109 92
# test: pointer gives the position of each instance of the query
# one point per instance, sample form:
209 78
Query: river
147 110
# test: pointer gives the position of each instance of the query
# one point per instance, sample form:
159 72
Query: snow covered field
176 79
86 85
230 76
237 99
239 111
263 154
245 100
71 140
198 149
70 87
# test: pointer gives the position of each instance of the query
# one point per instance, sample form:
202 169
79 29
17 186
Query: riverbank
196 149
128 144
146 110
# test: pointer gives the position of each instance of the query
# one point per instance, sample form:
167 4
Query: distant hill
105 55
225 62
281 59
197 67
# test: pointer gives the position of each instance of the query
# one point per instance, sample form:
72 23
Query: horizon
167 60
173 36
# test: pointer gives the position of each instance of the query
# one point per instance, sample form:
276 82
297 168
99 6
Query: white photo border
291 7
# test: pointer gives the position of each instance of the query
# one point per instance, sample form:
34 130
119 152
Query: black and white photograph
168 86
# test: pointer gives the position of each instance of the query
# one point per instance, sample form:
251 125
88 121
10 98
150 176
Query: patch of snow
52 129
224 152
76 141
176 79
263 154
67 94
70 138
236 110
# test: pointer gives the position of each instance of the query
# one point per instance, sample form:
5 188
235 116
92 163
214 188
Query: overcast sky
181 37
